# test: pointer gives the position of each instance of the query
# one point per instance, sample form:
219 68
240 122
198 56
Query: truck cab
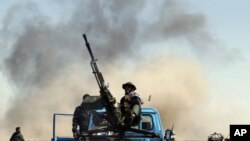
150 123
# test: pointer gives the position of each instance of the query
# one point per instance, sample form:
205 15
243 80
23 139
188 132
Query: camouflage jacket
131 107
134 100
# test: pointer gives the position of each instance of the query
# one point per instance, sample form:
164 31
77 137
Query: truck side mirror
169 135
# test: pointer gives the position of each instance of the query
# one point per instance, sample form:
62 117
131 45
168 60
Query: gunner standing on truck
80 119
130 105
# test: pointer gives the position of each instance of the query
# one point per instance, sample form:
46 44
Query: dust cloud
177 87
49 66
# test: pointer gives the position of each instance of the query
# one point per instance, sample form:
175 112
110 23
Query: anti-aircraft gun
107 101
106 122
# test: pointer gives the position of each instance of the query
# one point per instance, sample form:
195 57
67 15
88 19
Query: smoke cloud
49 64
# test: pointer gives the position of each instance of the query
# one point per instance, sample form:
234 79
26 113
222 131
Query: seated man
130 105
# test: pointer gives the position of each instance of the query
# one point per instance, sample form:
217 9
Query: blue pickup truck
150 125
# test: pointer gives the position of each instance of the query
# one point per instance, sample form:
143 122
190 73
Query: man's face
128 89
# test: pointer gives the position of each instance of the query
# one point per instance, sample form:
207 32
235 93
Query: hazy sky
213 34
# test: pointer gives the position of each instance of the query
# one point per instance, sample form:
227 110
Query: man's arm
75 120
136 110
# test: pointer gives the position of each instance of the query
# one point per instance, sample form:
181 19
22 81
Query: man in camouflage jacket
130 105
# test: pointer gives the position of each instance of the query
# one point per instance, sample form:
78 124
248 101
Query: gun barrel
88 46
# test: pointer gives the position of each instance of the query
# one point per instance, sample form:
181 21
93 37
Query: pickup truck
150 123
